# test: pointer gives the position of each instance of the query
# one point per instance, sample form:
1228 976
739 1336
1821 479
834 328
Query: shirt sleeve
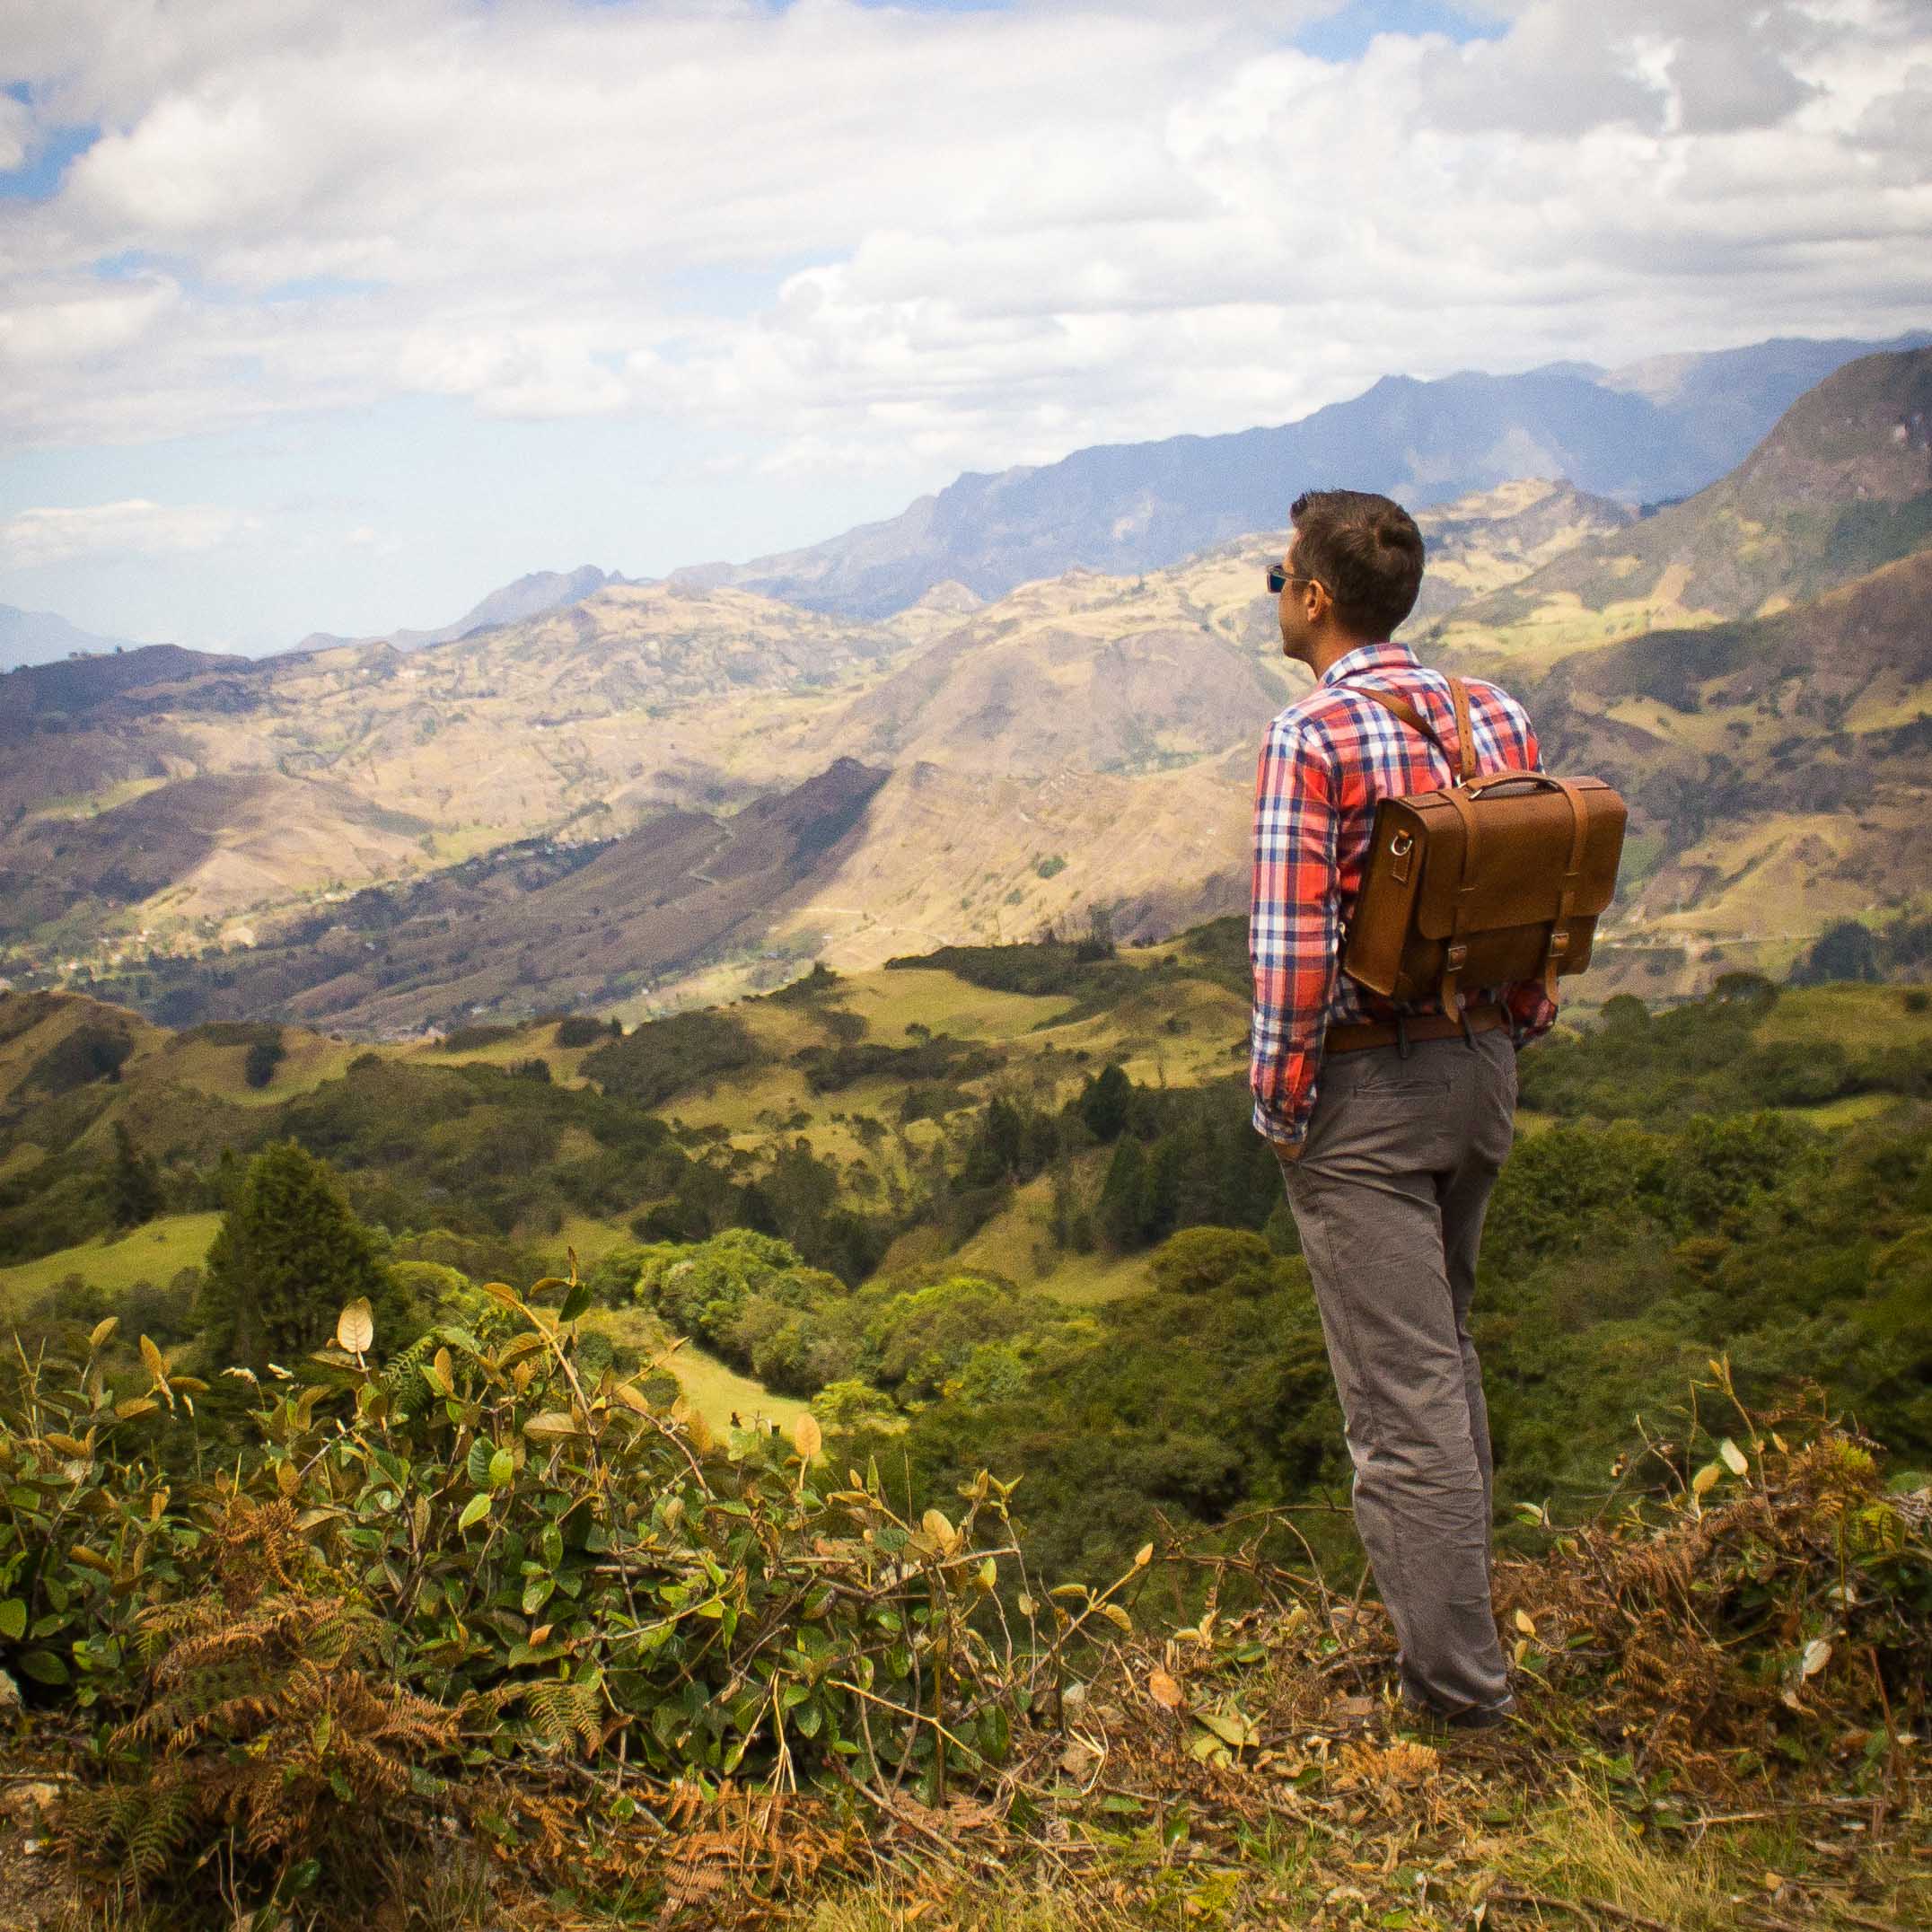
1532 1011
1294 928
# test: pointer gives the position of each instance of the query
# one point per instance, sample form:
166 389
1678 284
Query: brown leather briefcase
1500 878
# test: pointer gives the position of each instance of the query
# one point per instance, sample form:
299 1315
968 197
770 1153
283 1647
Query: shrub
654 1062
92 1051
938 1057
488 1554
852 1403
470 1038
1200 1260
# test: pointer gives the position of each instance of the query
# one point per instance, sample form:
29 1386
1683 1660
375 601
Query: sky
335 314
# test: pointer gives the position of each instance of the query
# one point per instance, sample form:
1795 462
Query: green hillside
944 1209
528 1567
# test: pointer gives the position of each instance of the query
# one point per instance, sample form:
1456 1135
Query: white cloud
16 124
55 536
969 238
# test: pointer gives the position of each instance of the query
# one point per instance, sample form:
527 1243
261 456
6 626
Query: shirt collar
1371 658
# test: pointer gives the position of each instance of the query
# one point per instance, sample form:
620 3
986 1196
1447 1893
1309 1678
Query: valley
534 815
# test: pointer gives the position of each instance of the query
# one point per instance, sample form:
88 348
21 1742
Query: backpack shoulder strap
1465 736
1464 756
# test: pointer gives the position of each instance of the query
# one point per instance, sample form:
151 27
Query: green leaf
299 1878
44 1667
474 1511
12 1618
553 1545
477 1465
574 1303
995 1733
502 1469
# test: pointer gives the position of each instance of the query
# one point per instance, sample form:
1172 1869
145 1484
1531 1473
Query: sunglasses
1280 576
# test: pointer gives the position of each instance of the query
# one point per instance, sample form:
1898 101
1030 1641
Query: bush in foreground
479 1561
480 1583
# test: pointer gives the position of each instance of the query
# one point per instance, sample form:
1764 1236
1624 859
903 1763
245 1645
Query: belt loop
1469 1032
1403 1046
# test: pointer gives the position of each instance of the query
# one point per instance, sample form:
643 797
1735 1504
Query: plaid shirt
1327 758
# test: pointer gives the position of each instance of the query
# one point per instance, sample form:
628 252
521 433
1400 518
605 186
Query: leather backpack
1498 879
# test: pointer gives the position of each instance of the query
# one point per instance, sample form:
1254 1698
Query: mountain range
1642 434
1650 432
535 812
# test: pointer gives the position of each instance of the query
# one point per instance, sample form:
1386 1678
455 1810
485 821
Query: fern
262 1714
564 1714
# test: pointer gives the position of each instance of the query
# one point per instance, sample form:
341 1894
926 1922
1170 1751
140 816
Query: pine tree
1118 1214
134 1187
288 1254
1104 1103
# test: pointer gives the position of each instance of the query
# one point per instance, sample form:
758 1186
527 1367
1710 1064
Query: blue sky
334 316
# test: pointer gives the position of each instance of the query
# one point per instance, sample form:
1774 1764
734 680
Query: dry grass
1580 1848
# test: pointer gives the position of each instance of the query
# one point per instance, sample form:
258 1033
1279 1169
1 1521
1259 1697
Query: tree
1119 1214
288 1254
1847 950
134 1187
265 1054
1098 940
997 1148
1104 1102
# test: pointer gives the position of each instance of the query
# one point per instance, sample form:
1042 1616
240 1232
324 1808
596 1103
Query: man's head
1354 567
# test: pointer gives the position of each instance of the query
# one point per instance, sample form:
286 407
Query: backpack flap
1526 906
1524 854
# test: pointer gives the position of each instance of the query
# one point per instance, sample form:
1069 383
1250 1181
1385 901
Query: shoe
1442 1723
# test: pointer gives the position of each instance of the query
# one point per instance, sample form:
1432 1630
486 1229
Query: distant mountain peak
531 595
42 637
1838 485
950 598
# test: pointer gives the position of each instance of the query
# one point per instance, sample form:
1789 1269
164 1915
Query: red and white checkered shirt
1327 758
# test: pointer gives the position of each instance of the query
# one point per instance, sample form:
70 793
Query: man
1389 1136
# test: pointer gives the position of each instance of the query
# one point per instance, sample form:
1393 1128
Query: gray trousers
1389 1197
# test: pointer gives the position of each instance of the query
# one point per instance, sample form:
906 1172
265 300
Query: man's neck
1328 650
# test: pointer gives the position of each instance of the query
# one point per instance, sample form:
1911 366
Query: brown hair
1368 552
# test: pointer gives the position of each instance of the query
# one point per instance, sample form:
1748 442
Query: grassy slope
1856 1017
714 1390
152 1254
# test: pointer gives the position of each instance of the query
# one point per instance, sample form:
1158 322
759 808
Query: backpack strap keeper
1558 949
